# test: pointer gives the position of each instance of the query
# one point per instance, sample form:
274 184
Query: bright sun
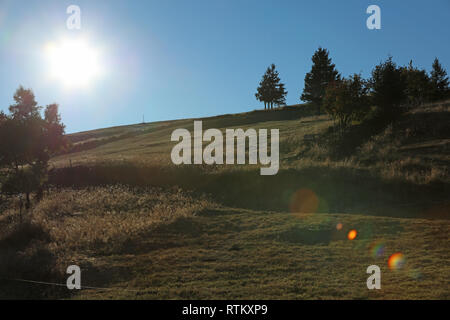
73 62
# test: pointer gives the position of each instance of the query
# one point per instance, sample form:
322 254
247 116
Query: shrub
346 100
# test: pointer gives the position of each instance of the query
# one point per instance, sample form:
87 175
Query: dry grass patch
78 226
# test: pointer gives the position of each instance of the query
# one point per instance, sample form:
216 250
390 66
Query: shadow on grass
174 234
334 190
421 126
259 116
24 256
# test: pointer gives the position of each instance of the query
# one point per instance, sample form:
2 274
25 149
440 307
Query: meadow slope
142 228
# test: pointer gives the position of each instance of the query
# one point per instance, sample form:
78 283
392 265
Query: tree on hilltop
388 88
322 73
346 100
439 81
271 91
417 85
27 141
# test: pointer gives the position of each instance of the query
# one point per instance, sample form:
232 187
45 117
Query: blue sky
176 59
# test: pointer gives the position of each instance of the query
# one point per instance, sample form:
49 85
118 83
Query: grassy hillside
372 168
140 227
416 148
150 143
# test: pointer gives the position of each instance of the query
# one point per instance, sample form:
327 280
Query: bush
388 88
24 158
346 100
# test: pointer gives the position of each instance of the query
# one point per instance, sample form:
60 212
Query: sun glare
73 62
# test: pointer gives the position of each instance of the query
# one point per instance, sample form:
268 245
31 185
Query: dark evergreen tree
262 92
439 81
417 85
271 91
322 73
388 84
280 99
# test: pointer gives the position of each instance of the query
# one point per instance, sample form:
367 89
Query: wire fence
65 285
136 290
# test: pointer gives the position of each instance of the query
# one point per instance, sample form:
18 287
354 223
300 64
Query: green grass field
141 228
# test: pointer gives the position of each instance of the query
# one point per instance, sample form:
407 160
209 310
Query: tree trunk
20 208
39 193
27 203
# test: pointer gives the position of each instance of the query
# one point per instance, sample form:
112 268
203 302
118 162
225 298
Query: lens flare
396 261
352 234
73 62
304 201
415 274
377 249
339 226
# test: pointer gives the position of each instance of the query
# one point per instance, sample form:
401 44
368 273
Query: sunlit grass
243 239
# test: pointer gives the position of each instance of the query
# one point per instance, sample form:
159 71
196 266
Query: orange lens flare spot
339 226
396 261
352 234
304 201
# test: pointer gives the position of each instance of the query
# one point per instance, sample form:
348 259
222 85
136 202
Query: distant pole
143 119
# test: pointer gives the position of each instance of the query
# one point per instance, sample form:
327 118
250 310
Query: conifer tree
439 81
322 73
388 88
271 91
417 84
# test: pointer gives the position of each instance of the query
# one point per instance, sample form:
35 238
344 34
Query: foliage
439 81
271 91
388 88
346 100
418 85
322 73
27 141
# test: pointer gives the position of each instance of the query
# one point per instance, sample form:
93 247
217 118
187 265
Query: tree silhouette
388 84
322 73
280 98
439 81
271 91
262 92
417 85
346 100
25 107
24 158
